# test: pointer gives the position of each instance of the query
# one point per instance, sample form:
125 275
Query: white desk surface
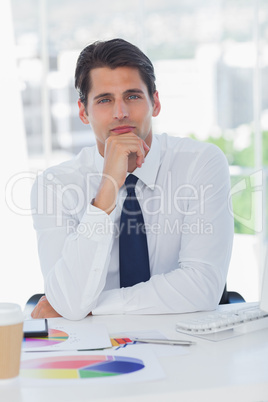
235 369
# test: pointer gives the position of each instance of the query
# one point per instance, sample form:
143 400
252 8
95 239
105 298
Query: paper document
78 368
69 335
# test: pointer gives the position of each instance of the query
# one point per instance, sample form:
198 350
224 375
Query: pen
165 341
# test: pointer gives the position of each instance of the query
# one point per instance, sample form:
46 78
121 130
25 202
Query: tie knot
130 184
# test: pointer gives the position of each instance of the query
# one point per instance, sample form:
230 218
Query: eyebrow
102 95
133 91
128 91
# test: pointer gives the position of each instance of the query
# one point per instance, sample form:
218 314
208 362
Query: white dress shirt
183 190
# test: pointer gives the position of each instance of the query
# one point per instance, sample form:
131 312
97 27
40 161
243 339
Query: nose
120 110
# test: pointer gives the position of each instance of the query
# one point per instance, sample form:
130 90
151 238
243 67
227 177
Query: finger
141 155
139 160
146 147
127 144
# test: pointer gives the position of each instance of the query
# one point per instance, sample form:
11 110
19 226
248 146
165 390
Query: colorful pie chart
54 337
79 367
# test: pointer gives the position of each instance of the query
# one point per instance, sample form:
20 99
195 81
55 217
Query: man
182 187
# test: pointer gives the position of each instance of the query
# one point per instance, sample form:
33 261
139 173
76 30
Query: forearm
107 194
74 265
191 287
74 283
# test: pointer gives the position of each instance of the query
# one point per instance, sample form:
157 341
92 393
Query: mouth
123 129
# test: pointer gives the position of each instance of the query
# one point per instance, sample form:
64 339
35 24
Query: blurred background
211 62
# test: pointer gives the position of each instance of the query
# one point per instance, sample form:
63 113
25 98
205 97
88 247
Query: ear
157 104
82 112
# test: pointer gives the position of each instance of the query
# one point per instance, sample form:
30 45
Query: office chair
230 297
34 300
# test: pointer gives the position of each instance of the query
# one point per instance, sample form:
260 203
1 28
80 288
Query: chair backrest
32 302
231 297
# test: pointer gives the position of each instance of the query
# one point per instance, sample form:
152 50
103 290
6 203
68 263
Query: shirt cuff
96 224
109 302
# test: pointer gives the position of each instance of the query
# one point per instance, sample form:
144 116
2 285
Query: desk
231 370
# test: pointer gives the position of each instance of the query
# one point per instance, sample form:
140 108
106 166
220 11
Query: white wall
19 268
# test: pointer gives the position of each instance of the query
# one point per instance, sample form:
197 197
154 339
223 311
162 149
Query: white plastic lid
10 313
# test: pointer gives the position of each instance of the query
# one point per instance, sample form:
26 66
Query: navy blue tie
133 249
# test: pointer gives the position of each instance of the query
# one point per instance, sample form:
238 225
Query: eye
133 97
104 100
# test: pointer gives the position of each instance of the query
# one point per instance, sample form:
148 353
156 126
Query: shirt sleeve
196 283
74 254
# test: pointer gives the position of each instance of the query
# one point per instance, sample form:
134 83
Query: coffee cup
11 335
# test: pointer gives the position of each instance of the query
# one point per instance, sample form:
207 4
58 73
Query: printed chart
55 337
79 367
66 335
120 341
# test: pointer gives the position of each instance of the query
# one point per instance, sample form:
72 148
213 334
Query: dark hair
112 53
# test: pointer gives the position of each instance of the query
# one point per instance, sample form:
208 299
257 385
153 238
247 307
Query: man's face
118 103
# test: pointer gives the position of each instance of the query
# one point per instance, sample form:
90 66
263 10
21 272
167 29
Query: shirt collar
148 172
